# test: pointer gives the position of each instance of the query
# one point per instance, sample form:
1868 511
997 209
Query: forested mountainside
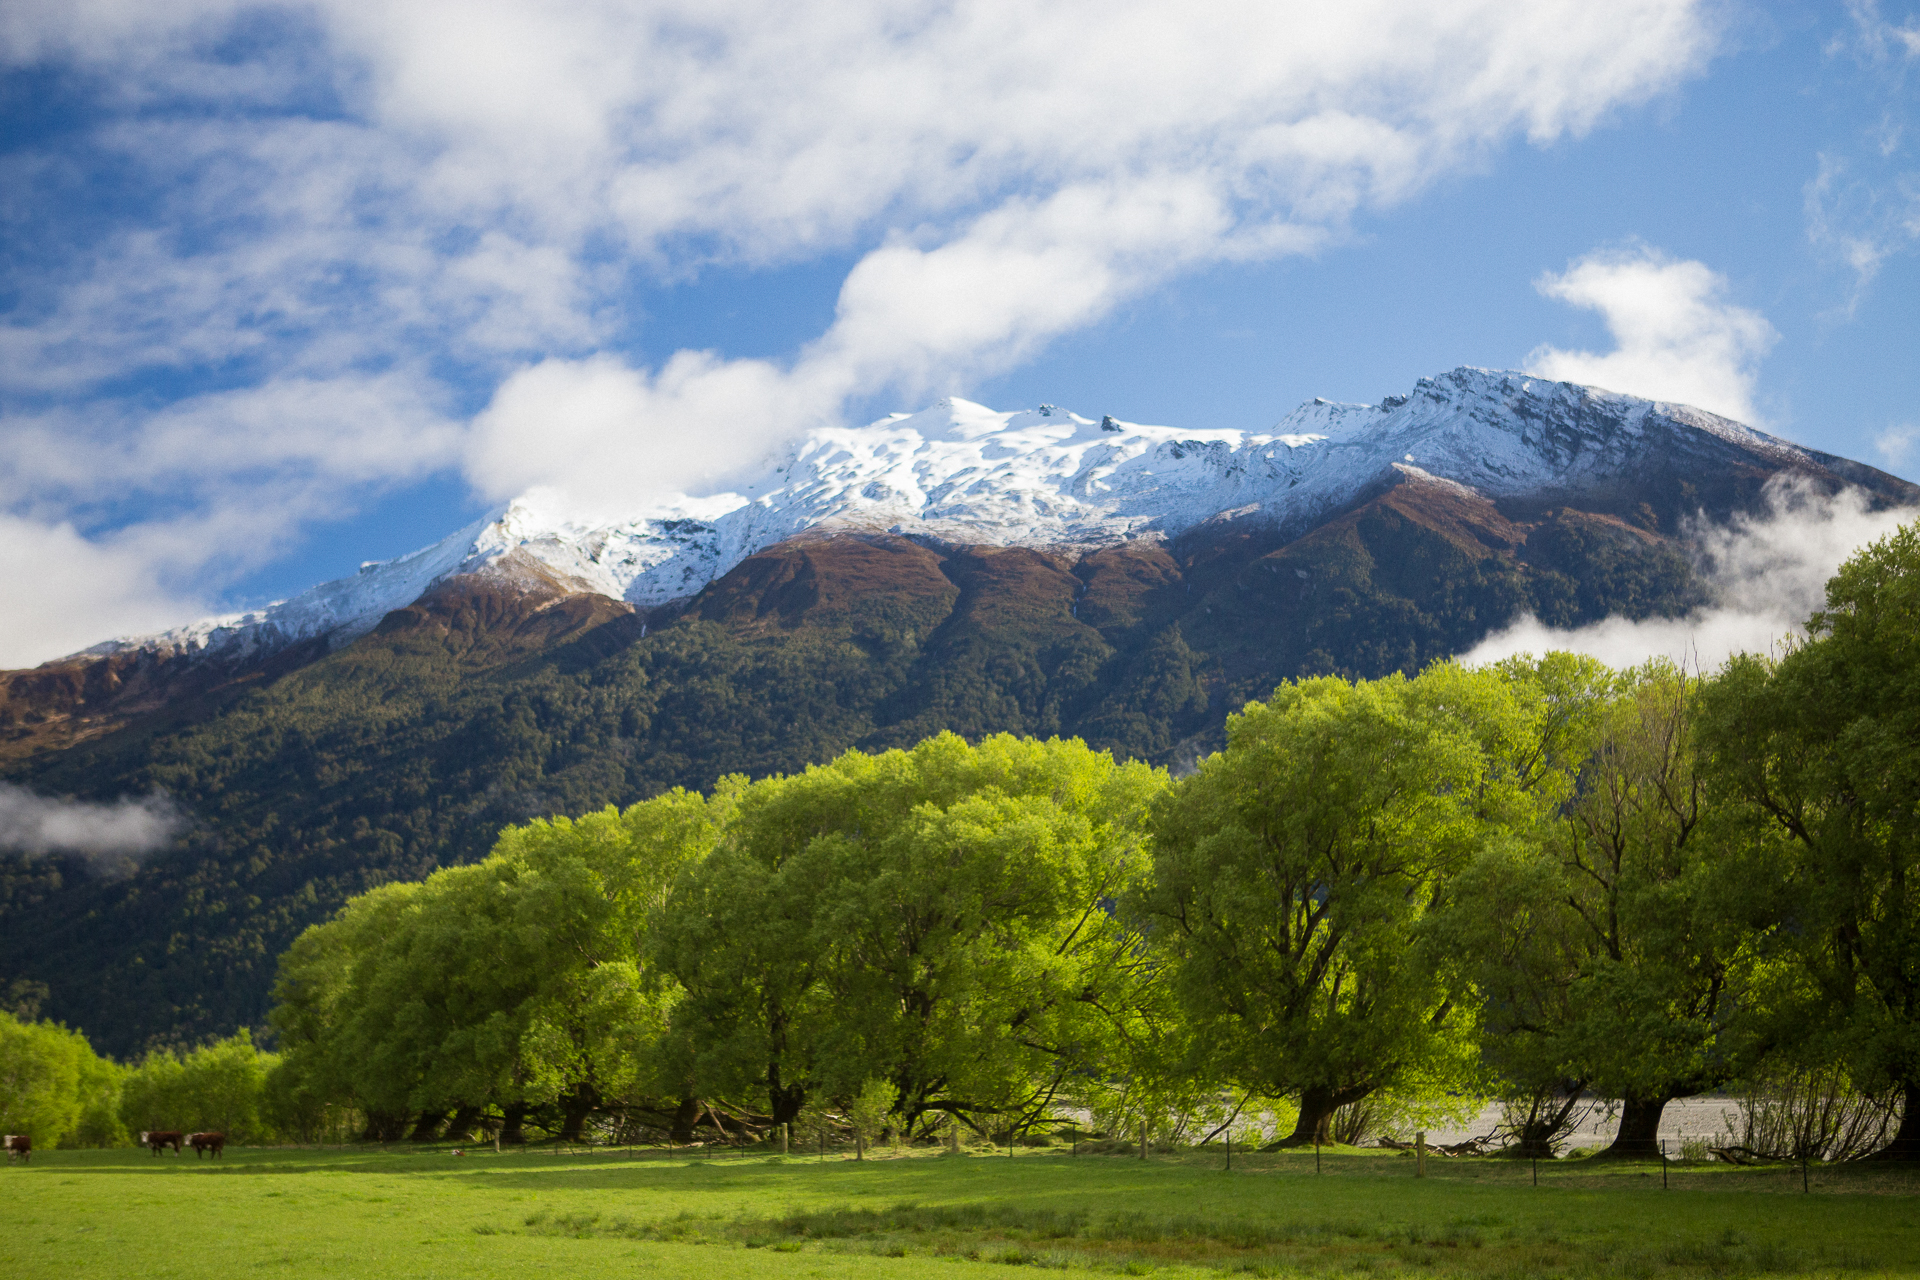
481 705
384 725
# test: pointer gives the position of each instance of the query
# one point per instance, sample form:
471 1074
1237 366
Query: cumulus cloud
1676 337
447 205
1768 573
65 591
111 836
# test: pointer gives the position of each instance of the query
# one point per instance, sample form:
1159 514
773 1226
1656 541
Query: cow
156 1139
19 1147
206 1142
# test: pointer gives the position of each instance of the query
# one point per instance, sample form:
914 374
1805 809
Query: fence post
1663 1164
1143 1139
1420 1154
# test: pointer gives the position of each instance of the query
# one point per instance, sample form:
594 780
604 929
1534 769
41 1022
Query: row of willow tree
1543 880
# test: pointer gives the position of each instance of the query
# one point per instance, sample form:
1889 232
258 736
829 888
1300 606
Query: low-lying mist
113 837
1767 572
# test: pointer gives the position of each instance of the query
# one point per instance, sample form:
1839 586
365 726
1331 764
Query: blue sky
292 286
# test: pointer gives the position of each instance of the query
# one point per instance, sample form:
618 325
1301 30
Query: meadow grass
424 1212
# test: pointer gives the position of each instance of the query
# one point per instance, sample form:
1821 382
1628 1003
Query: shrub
1811 1114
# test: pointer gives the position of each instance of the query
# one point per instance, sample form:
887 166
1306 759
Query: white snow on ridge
962 473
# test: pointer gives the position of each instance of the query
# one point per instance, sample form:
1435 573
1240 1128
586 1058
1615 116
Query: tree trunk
427 1127
460 1128
684 1117
1639 1134
785 1100
1548 1118
1535 1141
385 1126
1317 1105
574 1109
512 1124
1905 1146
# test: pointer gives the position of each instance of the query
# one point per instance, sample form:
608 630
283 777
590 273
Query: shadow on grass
1130 1242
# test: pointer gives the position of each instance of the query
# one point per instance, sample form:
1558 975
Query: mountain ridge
1057 481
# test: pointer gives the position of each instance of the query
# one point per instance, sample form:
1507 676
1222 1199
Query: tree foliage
512 983
1824 743
935 918
1295 877
52 1086
1608 949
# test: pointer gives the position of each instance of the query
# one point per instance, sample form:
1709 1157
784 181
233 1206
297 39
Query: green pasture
423 1212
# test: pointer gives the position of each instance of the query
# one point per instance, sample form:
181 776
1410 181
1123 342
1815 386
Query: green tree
1610 950
45 1071
870 1110
938 918
322 1016
1824 743
514 983
99 1124
1295 874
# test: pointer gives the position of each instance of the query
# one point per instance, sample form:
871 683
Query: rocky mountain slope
1035 572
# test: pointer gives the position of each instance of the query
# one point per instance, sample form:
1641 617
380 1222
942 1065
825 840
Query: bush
1811 1114
870 1109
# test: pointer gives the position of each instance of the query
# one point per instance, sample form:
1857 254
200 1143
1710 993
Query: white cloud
614 439
1878 40
65 592
1675 336
1863 208
486 191
1895 444
111 835
1862 221
1768 574
225 480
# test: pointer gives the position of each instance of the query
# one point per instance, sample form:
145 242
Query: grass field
425 1212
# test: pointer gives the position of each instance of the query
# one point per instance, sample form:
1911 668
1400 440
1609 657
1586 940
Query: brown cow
205 1142
19 1147
155 1139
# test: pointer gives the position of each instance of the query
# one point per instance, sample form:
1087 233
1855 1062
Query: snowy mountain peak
960 472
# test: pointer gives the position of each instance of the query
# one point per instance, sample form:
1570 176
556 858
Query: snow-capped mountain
961 473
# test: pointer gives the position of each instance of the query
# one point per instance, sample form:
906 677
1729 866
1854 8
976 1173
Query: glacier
962 473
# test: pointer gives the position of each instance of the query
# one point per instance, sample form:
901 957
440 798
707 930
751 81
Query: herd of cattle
20 1146
157 1140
